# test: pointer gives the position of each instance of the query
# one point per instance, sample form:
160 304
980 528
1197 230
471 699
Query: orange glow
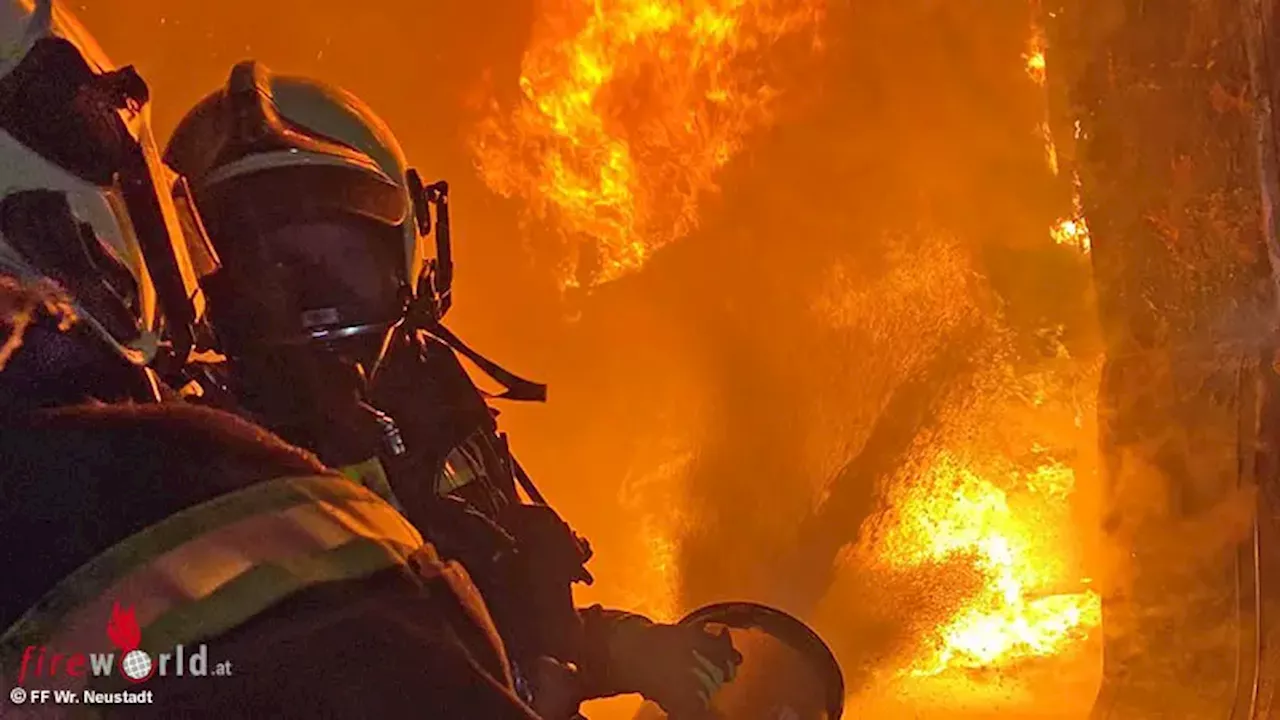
1035 57
656 500
1072 232
628 110
997 534
1035 66
21 303
989 516
1050 149
1009 523
954 512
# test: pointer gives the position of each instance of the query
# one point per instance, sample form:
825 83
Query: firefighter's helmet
85 200
311 205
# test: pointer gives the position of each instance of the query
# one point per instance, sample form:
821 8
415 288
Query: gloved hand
678 667
556 693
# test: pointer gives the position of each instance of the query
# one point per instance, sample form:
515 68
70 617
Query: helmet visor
54 103
94 127
342 274
309 252
320 276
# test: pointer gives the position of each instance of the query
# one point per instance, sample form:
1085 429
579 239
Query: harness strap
373 475
517 387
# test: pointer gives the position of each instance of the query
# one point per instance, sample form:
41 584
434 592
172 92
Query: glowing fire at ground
1019 612
628 110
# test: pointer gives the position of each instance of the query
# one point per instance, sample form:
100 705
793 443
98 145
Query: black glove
556 691
679 667
552 547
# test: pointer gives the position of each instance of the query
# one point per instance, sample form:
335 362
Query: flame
953 515
1073 230
628 109
1036 66
1035 57
122 628
1008 525
1050 149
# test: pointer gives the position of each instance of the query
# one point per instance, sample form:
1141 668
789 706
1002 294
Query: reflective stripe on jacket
372 475
202 572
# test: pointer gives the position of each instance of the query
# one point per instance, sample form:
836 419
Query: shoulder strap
373 475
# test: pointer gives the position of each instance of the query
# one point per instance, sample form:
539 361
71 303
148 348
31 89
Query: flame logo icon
122 628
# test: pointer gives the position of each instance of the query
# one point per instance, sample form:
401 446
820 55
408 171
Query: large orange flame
628 110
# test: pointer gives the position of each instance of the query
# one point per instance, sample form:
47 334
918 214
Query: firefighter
141 526
328 309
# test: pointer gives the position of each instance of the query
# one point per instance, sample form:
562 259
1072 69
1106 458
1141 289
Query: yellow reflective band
373 475
254 591
194 554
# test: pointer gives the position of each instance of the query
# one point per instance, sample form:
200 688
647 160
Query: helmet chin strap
146 347
156 357
517 388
